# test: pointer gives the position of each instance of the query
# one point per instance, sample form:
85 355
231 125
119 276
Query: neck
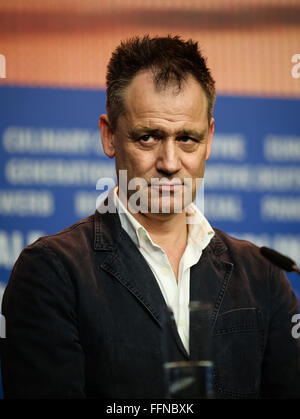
166 230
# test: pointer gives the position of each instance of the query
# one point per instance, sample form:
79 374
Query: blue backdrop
51 159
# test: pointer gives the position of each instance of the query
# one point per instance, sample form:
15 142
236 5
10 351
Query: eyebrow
142 130
191 133
158 132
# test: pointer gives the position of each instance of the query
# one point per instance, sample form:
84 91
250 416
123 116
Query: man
84 307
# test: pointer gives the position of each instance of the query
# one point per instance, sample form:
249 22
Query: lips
166 183
167 186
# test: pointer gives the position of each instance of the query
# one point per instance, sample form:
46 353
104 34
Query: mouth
171 188
167 186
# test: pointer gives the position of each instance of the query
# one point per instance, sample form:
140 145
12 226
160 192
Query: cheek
137 163
124 155
194 165
142 160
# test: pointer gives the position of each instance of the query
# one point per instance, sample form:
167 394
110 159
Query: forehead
143 99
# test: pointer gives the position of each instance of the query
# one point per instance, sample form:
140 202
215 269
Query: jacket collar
107 231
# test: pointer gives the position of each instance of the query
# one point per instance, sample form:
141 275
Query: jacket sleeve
42 356
281 366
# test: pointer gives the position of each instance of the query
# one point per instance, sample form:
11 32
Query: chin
166 206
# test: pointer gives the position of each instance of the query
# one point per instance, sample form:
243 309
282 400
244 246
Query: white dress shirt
176 294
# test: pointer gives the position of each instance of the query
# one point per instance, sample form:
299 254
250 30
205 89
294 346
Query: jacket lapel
129 267
126 264
137 277
208 283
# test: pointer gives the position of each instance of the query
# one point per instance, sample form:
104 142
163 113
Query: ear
211 130
107 136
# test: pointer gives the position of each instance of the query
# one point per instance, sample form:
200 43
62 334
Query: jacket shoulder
83 226
234 242
242 252
71 241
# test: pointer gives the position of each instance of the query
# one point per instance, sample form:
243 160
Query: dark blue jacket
83 318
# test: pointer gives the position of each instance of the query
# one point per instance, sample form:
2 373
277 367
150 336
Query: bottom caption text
136 409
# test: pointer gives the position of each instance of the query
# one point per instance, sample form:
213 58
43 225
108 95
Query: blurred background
53 58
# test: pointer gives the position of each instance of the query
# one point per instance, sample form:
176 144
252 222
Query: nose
168 160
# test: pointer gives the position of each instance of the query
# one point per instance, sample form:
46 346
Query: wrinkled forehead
144 96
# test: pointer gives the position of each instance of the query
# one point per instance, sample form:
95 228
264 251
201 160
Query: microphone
279 260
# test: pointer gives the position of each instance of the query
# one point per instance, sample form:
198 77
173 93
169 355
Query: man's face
163 134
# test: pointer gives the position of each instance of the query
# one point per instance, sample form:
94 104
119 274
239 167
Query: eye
187 139
188 144
147 139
